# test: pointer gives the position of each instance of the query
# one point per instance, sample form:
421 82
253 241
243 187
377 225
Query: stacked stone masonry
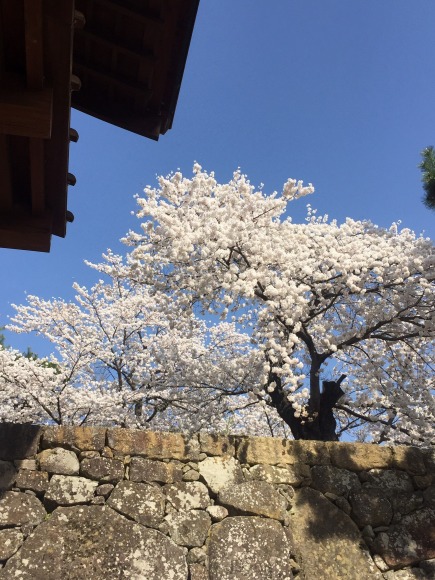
97 503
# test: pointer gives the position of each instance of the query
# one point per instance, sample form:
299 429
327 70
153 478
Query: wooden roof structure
121 61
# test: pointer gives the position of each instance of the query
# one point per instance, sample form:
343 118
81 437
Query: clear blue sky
340 93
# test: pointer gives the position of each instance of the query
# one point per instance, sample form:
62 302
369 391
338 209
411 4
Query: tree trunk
323 425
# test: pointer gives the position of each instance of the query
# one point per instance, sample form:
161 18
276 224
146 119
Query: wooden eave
121 61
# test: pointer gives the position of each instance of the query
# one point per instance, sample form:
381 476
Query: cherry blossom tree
129 357
348 305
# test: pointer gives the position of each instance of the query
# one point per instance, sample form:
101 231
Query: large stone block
59 460
246 548
151 444
188 528
220 472
188 495
141 502
327 541
360 456
82 438
142 469
217 444
19 509
102 469
271 451
64 490
254 497
98 544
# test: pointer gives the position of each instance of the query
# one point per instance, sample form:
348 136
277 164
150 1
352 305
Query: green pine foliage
427 167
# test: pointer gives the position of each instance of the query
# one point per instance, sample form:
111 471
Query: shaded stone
60 461
66 490
405 503
254 497
99 544
83 438
327 478
410 459
36 481
327 540
290 475
429 496
410 541
102 469
7 475
271 450
10 541
188 528
407 574
428 566
187 495
18 509
104 490
245 548
152 444
370 508
140 501
360 456
391 481
18 441
148 470
219 472
26 464
216 444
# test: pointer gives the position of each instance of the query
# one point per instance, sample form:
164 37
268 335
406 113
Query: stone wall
94 503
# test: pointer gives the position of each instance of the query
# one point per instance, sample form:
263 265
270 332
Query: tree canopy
427 167
224 314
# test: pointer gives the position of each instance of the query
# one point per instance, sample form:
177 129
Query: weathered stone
187 495
219 472
410 459
217 512
60 461
36 481
18 441
99 544
327 540
29 464
343 504
10 541
152 444
407 574
423 481
88 454
148 470
405 503
198 572
18 509
410 541
102 469
64 490
360 456
290 475
189 528
391 481
380 563
370 507
428 567
216 444
270 451
7 475
254 497
196 555
429 496
248 547
140 501
104 490
327 478
83 438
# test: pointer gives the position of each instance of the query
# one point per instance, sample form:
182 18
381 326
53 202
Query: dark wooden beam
110 78
5 175
146 57
26 113
138 16
34 43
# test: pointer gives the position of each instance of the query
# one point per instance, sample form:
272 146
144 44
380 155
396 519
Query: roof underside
123 60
